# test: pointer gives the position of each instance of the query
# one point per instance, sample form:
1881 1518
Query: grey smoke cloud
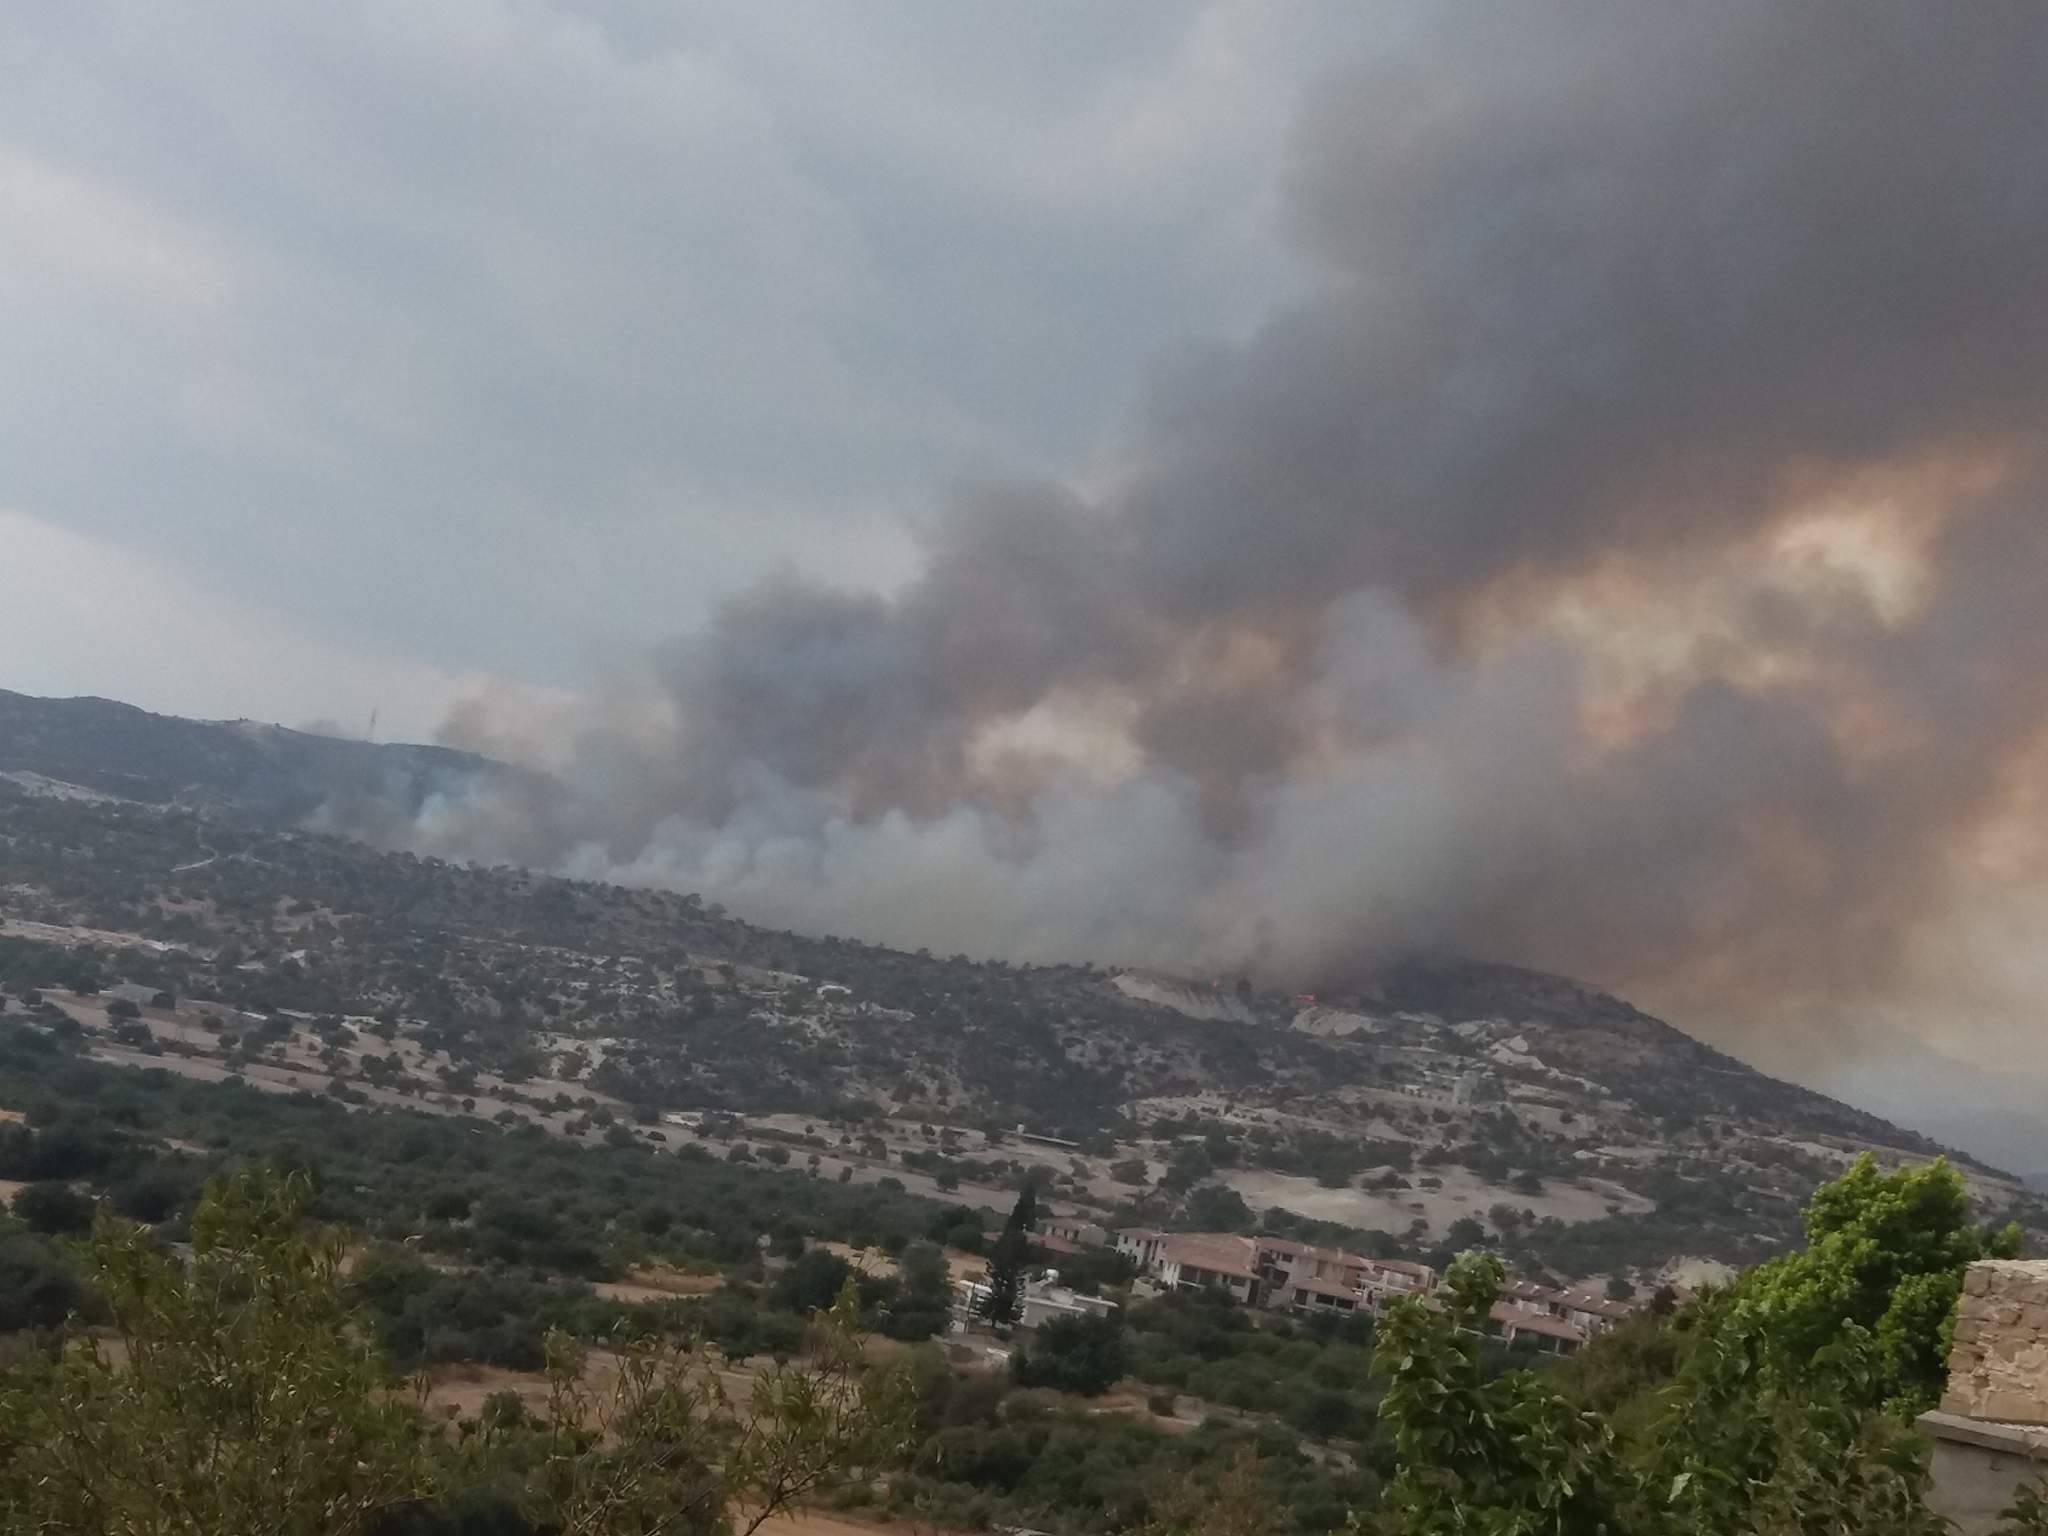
1611 298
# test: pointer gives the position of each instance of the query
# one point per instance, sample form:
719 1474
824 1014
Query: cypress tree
1006 1261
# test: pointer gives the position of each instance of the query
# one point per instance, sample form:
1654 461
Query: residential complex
1281 1274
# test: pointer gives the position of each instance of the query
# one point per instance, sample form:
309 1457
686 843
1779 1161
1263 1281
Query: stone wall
1998 1369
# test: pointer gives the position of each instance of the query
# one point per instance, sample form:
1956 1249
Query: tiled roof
1314 1254
1222 1252
1537 1323
1402 1267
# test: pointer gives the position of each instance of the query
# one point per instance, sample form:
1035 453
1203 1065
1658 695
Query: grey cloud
1602 288
1601 275
515 331
502 332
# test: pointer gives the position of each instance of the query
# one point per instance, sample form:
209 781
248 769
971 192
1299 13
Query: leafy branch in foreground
1779 1405
656 1436
233 1395
239 1393
1511 1455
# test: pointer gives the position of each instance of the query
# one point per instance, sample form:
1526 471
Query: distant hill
1447 1103
263 772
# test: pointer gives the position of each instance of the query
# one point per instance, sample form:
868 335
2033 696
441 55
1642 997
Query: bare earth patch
1463 1194
466 1387
657 1283
818 1523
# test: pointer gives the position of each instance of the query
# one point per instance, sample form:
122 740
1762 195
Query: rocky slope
238 767
1450 1102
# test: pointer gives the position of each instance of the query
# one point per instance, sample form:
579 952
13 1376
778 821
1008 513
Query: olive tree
237 1391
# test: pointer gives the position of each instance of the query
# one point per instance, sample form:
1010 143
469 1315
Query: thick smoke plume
1631 560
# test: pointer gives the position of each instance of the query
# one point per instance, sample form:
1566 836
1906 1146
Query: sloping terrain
1452 1100
241 767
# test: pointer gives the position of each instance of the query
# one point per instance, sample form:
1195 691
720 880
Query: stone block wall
1998 1369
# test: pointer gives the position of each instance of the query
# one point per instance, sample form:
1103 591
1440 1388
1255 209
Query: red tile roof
1220 1252
1537 1323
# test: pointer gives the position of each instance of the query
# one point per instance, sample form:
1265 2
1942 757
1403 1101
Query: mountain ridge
242 767
1448 1098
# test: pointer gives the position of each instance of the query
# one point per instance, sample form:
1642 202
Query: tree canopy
240 1392
1779 1404
1083 1355
1884 1255
1007 1259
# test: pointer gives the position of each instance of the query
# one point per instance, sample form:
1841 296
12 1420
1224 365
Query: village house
1389 1278
1041 1300
1071 1229
1546 1332
1195 1261
1308 1279
1285 1274
1523 1303
1140 1245
1046 1299
1592 1314
1555 1319
1275 1272
1312 1279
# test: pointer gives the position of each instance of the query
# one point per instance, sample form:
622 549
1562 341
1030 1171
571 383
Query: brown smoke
1629 561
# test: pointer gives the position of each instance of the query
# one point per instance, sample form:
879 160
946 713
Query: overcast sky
375 349
1455 400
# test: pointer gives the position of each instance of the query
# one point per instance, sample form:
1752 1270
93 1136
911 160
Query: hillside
240 767
1453 1100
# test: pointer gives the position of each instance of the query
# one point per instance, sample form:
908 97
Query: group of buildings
1989 1438
1281 1274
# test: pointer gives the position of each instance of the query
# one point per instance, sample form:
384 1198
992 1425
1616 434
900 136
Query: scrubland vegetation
295 1325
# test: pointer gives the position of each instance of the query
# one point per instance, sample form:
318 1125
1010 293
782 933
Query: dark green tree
1778 1405
239 1392
1217 1208
238 1398
38 1287
1084 1355
1885 1253
1007 1260
1507 1455
925 1295
53 1207
812 1281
